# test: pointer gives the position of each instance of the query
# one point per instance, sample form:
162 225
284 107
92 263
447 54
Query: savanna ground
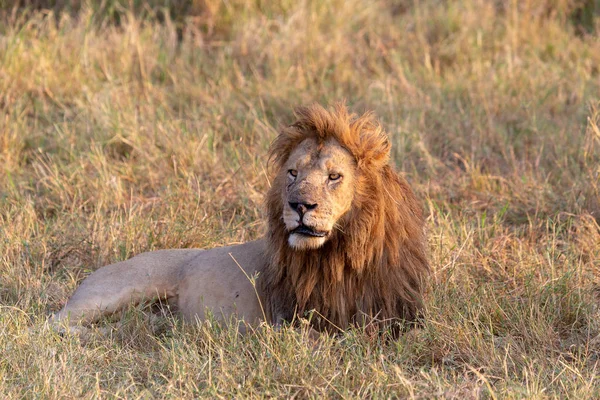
124 130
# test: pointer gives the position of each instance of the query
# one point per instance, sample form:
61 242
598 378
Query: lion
345 242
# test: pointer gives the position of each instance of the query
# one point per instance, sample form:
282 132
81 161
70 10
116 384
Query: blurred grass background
128 126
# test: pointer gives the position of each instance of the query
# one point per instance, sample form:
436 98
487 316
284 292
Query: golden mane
372 267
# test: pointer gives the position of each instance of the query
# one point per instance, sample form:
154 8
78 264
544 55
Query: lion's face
318 191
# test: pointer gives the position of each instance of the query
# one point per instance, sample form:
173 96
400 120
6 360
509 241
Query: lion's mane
373 265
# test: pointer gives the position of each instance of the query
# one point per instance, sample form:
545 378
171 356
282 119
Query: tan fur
192 281
363 257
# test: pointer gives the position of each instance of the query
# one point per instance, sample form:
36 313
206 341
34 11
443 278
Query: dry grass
121 138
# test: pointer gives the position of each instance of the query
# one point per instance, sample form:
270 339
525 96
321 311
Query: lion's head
345 232
319 190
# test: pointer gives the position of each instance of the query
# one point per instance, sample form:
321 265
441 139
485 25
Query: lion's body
345 239
191 280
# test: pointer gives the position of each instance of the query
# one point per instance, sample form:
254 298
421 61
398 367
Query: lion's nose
301 208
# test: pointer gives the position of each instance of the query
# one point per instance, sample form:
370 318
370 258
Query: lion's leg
113 287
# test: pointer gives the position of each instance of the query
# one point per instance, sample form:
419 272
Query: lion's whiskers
338 227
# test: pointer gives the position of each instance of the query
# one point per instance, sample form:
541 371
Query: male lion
345 239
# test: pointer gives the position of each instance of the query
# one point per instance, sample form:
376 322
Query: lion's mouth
307 231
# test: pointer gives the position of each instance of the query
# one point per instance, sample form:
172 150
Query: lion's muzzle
301 208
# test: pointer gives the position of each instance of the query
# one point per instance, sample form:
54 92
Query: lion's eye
293 173
334 177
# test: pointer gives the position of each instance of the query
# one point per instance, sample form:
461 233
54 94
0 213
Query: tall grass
150 131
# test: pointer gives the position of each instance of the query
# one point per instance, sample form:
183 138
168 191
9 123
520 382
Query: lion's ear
374 143
380 151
